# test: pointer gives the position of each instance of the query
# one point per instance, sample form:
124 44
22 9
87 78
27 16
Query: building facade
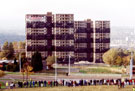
64 37
59 34
39 35
83 40
102 40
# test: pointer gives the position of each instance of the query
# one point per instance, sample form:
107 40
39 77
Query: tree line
9 48
9 52
118 56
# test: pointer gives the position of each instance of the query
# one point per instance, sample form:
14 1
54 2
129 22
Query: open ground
83 88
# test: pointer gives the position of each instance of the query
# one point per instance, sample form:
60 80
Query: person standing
63 82
27 84
18 83
114 81
21 84
95 82
30 84
24 84
122 82
119 83
56 83
42 84
39 83
7 84
0 85
33 83
11 85
50 83
45 83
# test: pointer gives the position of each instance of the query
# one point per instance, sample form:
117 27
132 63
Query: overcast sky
119 12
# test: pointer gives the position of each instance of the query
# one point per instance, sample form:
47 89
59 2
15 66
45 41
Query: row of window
102 35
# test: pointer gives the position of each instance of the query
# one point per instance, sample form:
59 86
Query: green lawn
100 70
83 69
84 88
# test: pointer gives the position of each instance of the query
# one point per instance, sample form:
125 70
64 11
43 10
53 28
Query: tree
5 46
18 45
8 51
36 62
119 61
50 61
3 54
26 70
15 45
5 50
11 51
2 73
21 45
23 56
110 56
117 56
126 60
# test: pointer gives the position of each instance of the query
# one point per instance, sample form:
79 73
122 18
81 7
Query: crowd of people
70 83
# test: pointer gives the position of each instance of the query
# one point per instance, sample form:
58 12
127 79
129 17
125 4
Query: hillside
10 37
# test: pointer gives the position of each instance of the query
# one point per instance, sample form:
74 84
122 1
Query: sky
119 12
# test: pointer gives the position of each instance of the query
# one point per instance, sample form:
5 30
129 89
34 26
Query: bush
50 61
13 67
2 73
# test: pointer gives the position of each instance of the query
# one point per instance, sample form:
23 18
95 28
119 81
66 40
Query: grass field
82 69
84 88
100 70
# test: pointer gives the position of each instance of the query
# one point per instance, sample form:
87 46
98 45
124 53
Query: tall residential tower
39 35
83 40
64 37
102 40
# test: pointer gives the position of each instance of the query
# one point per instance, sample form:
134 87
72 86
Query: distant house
7 61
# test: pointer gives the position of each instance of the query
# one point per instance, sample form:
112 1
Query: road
13 77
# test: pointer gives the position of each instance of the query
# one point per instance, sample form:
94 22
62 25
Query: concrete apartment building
102 40
60 34
39 35
83 39
64 37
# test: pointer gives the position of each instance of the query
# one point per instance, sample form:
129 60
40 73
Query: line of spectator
70 83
